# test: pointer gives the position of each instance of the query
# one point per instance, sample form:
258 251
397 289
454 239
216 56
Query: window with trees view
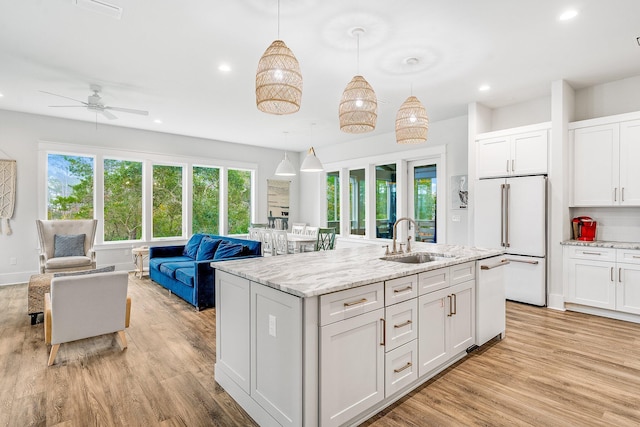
385 199
167 201
206 200
122 200
239 200
333 200
357 201
69 187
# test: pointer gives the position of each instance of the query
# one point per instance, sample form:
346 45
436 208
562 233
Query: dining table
300 241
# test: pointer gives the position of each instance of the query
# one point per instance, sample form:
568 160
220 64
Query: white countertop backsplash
317 273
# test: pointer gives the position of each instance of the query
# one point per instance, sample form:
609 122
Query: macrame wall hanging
7 193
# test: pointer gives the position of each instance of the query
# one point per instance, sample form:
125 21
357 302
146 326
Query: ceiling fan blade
128 110
108 114
68 106
62 96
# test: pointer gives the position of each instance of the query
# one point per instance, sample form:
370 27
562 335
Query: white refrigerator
510 213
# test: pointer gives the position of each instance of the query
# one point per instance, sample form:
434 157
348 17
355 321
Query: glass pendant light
278 79
358 110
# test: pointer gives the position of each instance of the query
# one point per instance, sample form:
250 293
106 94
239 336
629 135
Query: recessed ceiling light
225 68
1 95
484 88
158 121
568 14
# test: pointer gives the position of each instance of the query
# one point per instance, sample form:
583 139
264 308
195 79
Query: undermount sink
417 257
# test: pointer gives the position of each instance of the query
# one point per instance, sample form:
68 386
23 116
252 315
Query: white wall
522 114
608 99
450 133
19 137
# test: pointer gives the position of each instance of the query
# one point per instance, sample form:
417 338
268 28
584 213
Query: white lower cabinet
401 367
447 324
603 278
351 367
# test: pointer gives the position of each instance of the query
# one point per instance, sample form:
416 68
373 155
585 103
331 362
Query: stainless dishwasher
490 299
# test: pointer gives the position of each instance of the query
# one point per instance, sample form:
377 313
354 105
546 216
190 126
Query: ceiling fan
94 103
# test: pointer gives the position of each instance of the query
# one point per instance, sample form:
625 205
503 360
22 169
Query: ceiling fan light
311 163
278 80
358 110
412 122
285 168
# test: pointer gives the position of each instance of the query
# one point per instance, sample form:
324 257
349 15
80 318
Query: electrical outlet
455 218
272 325
13 261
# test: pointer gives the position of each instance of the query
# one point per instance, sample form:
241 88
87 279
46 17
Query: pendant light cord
358 53
278 19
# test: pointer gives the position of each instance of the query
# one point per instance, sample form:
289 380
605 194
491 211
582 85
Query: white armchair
83 259
85 306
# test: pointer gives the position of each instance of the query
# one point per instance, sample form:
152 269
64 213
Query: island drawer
351 302
462 272
401 324
628 256
400 289
401 367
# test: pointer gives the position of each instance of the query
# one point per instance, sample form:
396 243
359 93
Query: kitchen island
330 338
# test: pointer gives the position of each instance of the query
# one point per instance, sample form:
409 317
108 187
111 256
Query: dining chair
281 243
298 228
326 239
266 238
254 233
311 232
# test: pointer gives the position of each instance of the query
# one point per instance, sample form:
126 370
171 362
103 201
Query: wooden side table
139 254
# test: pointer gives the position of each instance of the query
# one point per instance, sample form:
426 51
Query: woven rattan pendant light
358 109
278 79
412 122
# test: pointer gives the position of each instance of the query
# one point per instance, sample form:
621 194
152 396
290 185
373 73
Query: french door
424 205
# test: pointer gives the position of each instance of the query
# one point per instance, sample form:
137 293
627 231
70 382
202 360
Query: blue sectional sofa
186 271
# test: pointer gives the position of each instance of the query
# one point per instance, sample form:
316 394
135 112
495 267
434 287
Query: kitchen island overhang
287 325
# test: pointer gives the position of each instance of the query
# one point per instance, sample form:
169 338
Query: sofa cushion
157 262
68 245
186 275
169 268
191 248
230 250
208 247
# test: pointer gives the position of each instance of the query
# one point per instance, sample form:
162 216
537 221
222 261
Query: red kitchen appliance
584 228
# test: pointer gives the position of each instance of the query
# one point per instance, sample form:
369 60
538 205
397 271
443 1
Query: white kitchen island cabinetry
601 276
327 348
604 164
513 152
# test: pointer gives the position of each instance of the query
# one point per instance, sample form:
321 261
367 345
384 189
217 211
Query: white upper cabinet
604 165
517 154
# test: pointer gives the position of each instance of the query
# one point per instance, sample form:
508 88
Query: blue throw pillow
230 250
191 248
68 245
208 247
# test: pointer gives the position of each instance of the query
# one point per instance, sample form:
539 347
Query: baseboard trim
556 302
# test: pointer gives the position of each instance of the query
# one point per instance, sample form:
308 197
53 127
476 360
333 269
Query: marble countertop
602 244
317 273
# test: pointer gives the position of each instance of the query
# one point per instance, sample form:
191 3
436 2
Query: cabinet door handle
507 165
615 194
612 274
620 274
450 307
513 165
402 325
397 291
591 253
622 194
349 304
384 332
455 304
407 366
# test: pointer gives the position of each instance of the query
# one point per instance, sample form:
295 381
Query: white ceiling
163 56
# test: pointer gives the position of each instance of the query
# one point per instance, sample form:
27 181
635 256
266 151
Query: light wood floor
553 369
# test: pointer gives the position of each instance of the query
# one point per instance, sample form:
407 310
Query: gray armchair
62 247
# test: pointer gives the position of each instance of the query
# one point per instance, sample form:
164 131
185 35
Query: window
425 201
239 200
167 201
206 200
70 189
385 200
333 200
122 200
357 201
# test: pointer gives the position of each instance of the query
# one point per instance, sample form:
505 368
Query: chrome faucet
395 234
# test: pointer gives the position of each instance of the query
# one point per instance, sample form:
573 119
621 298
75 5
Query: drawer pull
349 304
524 261
591 253
407 366
402 325
397 291
636 257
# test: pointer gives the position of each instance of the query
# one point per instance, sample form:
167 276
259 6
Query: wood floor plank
552 369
